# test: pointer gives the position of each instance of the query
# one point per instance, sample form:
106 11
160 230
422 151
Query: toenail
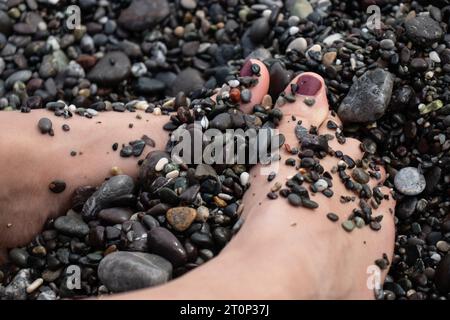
308 85
250 69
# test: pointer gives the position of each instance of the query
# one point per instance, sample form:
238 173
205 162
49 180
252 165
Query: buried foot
320 227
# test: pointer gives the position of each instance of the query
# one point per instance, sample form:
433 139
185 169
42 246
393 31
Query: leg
31 161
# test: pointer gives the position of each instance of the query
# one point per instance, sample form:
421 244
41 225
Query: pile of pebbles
390 87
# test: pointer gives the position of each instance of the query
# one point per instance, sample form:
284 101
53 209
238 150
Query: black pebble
45 125
65 127
333 217
115 146
57 186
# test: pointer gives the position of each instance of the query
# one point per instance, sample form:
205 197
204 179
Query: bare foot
79 157
291 252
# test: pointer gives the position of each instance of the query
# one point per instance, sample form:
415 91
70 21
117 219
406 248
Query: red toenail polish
246 70
308 85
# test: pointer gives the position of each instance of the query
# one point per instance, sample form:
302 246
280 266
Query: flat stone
113 68
423 30
410 181
368 97
71 226
187 80
222 122
114 216
125 271
181 218
149 86
143 14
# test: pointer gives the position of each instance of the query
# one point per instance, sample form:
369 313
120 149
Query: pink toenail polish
308 85
246 70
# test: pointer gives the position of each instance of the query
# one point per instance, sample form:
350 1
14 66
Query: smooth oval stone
125 271
222 122
409 181
190 194
360 175
45 125
115 215
19 76
295 200
159 209
111 190
164 243
143 14
181 218
111 69
71 226
19 257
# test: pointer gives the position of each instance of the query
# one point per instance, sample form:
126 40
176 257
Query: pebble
113 68
181 218
368 97
321 185
348 225
45 125
423 30
115 187
125 271
71 226
114 216
162 242
299 8
35 285
16 290
298 44
360 176
244 178
295 200
410 181
333 217
57 186
143 14
161 163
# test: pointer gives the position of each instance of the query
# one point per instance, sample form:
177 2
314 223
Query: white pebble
141 105
72 108
293 30
321 185
233 83
157 111
299 44
245 177
92 112
202 214
332 38
36 284
173 174
225 196
204 122
161 163
434 56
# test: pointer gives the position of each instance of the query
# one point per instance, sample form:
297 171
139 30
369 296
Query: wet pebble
126 271
410 181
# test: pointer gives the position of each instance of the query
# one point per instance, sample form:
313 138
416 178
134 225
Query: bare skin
281 252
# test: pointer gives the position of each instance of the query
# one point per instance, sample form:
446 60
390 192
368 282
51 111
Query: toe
261 88
311 103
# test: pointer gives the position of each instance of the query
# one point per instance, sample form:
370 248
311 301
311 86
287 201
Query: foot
26 203
288 252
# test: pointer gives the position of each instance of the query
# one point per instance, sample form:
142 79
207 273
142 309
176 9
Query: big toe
304 102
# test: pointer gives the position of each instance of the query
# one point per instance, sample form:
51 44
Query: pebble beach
389 84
